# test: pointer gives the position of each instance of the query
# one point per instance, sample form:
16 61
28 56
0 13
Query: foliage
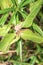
18 26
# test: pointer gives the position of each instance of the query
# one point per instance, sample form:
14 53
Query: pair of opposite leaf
28 34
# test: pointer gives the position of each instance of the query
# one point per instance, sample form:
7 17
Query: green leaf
19 63
24 14
17 19
35 9
6 42
38 29
3 30
10 23
3 19
33 60
14 3
19 49
3 11
3 4
29 35
25 2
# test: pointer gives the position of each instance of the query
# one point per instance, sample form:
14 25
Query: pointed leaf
3 19
38 29
29 35
29 19
6 42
